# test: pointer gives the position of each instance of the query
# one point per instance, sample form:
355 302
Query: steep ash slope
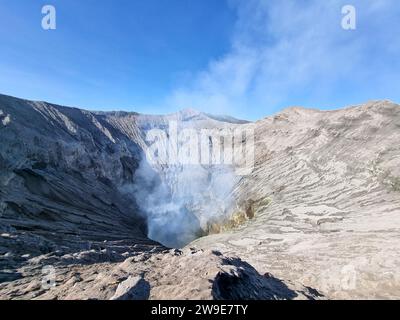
60 174
68 202
72 174
64 166
326 195
320 206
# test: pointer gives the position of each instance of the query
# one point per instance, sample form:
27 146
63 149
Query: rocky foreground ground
321 203
170 274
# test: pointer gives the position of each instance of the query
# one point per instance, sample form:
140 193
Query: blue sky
244 58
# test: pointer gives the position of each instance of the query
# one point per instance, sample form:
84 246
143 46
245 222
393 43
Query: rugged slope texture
176 274
60 174
325 193
71 226
321 204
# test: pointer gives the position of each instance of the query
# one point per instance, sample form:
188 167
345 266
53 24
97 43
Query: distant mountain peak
189 112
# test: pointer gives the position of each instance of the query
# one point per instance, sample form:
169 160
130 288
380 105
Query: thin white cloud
285 49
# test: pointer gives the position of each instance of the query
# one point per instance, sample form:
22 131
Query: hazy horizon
132 110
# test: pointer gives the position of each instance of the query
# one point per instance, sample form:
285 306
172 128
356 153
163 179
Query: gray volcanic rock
176 274
60 173
61 159
133 288
65 210
321 204
326 198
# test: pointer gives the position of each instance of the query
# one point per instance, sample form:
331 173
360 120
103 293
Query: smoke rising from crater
181 198
179 202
